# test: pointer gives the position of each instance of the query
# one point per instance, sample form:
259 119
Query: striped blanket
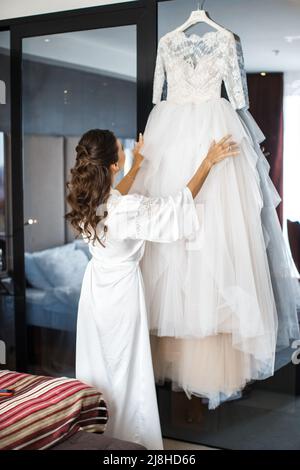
45 411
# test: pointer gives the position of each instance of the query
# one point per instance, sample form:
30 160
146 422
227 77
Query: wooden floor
172 444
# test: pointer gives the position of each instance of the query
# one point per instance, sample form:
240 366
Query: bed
54 278
50 413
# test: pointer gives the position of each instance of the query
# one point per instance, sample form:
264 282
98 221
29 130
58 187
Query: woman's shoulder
116 195
120 203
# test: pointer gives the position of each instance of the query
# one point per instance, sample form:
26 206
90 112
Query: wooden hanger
198 16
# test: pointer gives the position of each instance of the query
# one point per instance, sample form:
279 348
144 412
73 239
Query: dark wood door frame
143 14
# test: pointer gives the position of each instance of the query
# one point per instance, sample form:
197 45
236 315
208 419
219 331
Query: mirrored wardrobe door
72 82
7 325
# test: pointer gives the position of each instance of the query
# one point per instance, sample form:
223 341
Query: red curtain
294 238
266 106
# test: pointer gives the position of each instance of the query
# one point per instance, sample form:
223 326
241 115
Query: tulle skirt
210 300
284 274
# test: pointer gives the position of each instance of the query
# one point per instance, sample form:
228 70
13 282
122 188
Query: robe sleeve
159 75
157 219
235 79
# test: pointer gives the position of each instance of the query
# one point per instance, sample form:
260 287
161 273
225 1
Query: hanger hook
202 5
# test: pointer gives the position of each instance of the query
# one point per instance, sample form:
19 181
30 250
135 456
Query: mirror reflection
269 35
71 82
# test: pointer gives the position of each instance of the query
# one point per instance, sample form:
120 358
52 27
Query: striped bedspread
45 410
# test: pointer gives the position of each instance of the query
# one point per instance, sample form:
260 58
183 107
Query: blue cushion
33 274
59 266
84 246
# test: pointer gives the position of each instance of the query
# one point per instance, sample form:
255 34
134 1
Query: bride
112 345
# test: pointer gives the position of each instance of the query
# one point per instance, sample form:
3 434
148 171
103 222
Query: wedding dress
284 274
210 299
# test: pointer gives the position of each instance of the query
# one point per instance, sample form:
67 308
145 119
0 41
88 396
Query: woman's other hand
222 149
216 153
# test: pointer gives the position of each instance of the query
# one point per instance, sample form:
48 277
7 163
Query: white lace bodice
192 68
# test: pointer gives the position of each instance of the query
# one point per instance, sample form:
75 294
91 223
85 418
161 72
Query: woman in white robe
113 347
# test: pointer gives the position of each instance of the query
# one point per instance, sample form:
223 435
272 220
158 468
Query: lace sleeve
159 76
235 75
158 219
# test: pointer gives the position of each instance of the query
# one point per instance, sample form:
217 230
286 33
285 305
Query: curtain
266 106
291 161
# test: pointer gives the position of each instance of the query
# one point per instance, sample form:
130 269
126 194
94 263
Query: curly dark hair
91 181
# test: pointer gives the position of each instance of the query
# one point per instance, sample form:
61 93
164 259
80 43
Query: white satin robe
113 347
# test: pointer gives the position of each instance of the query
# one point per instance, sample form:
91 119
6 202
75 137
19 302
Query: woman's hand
222 149
126 182
216 153
138 158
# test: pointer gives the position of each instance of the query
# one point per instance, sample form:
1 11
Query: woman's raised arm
125 184
216 153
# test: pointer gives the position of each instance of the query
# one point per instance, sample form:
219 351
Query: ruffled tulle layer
207 367
283 271
210 299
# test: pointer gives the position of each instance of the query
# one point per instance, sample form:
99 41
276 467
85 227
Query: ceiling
262 25
111 51
269 31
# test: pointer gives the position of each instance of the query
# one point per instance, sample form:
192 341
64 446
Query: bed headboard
47 162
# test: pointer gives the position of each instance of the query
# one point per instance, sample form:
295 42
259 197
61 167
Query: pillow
45 410
59 266
33 274
84 246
